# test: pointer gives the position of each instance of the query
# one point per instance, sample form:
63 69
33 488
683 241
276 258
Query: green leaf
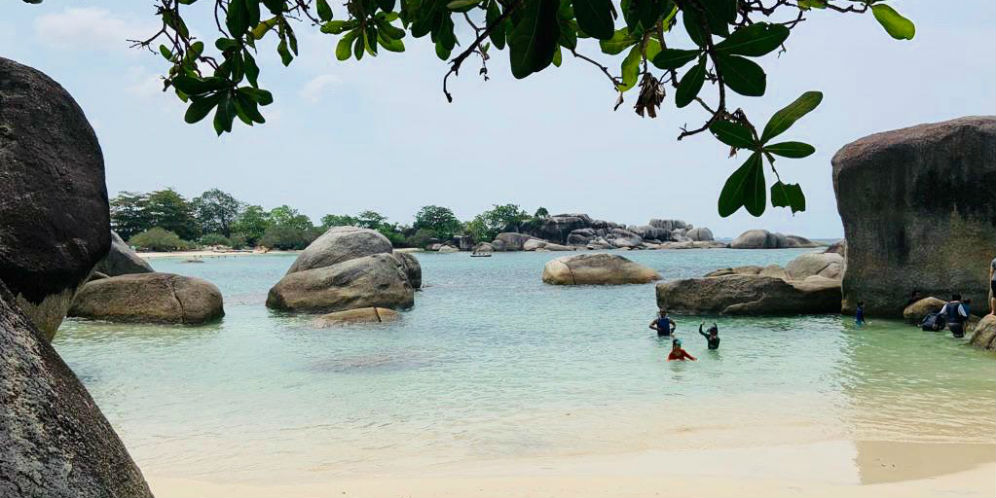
324 11
534 37
745 187
252 70
719 14
252 13
674 58
733 134
237 19
621 40
285 55
790 149
754 40
257 95
200 108
498 34
791 113
742 75
894 23
558 58
224 115
342 49
812 4
788 195
336 27
391 44
630 69
690 84
595 18
192 85
462 4
165 52
692 21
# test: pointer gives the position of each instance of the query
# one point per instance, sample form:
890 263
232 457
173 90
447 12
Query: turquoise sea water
492 363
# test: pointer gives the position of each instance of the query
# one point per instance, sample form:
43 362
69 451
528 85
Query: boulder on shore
829 265
149 298
763 239
358 315
596 269
915 312
121 260
54 222
984 335
371 281
54 442
739 294
510 241
700 234
919 212
340 244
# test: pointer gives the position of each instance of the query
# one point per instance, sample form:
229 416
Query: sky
378 134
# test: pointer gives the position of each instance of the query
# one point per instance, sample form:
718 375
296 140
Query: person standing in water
677 353
712 336
859 313
992 287
956 314
663 324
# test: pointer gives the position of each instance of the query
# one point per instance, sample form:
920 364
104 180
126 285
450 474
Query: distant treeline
164 220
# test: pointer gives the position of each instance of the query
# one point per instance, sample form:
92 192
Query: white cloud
313 90
90 28
144 83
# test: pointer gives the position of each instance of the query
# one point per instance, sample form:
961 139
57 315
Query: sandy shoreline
209 254
831 468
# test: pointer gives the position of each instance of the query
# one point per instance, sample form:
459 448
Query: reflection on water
491 363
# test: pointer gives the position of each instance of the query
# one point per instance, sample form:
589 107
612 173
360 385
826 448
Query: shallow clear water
492 363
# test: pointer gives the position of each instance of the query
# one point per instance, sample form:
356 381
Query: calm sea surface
492 363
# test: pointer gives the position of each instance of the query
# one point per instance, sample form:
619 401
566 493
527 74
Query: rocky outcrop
700 234
510 241
54 442
984 335
542 245
370 281
149 298
829 265
359 315
121 260
340 244
919 212
775 271
411 268
839 247
740 294
597 269
556 228
54 223
915 312
763 239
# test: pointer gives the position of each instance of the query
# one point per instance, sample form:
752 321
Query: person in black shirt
712 336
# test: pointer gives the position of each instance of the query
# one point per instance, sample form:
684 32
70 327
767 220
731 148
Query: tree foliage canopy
656 44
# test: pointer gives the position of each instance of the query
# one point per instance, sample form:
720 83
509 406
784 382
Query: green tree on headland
215 211
645 40
251 223
438 220
128 215
501 218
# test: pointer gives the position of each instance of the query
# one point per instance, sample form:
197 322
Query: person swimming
677 353
663 324
712 336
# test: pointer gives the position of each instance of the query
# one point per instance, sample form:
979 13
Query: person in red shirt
677 353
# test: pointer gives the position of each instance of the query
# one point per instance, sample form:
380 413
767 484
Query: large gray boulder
411 268
149 298
358 315
984 334
121 260
648 232
919 212
54 223
740 294
915 312
596 269
581 236
763 239
510 241
340 244
700 234
670 225
829 265
620 238
371 281
54 442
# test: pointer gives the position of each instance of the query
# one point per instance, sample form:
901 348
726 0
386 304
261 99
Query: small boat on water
480 254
